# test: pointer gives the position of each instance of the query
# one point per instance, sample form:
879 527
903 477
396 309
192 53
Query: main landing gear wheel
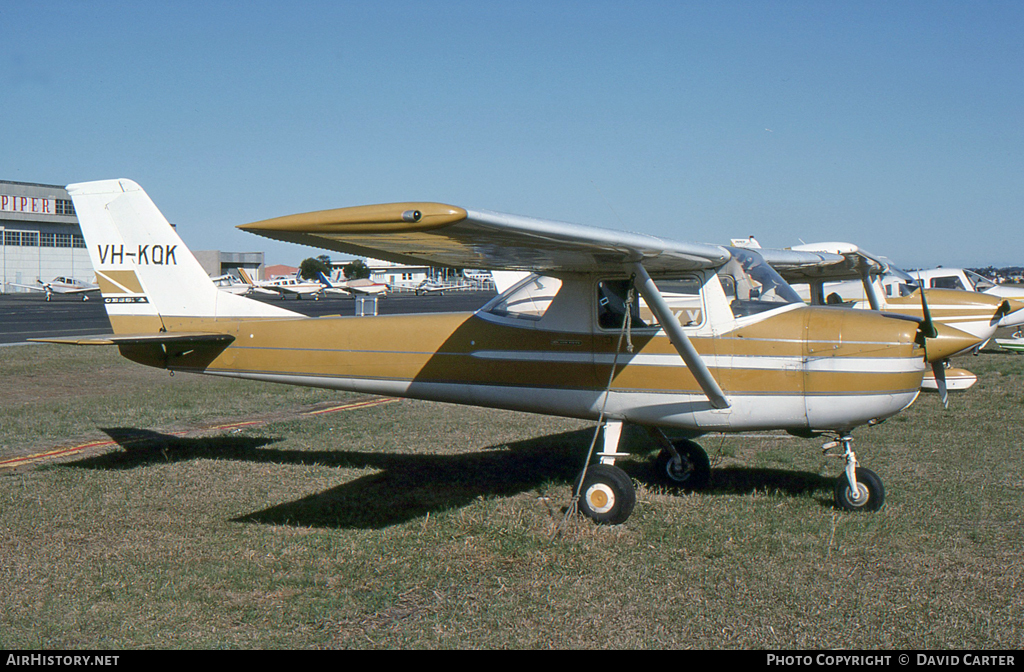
871 495
607 494
691 471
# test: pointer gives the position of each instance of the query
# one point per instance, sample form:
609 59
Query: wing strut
670 324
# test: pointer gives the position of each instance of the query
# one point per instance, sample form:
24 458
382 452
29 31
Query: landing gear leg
605 492
858 489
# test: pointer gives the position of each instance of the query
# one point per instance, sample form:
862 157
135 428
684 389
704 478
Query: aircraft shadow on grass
409 486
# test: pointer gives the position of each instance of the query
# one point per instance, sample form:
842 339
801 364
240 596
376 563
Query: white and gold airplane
609 326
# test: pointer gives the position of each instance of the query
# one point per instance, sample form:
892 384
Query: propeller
928 330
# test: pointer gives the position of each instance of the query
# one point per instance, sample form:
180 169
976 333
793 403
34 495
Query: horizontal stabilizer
178 338
184 351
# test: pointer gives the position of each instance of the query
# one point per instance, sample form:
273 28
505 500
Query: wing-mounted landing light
670 324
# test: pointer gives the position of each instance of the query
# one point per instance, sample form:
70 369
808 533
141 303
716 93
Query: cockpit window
528 299
752 285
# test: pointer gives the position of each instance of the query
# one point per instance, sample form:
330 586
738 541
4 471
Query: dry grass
426 525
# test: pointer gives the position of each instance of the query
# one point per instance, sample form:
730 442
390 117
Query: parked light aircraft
429 286
975 313
718 343
230 284
961 278
61 285
360 286
282 286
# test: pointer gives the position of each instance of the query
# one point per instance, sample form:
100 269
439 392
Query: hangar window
64 207
21 238
78 241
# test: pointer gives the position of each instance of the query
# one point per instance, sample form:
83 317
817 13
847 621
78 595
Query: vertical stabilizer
145 272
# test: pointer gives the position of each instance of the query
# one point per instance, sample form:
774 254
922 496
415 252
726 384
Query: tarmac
24 315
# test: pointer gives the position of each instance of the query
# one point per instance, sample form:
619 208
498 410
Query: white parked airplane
230 284
961 278
282 286
589 334
356 286
62 285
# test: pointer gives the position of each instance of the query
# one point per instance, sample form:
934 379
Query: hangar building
40 240
39 235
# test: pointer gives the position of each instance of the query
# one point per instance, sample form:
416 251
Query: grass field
412 524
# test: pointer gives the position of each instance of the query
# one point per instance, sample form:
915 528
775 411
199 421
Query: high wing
445 235
836 261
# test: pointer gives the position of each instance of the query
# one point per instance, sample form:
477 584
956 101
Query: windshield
528 299
752 285
980 282
908 283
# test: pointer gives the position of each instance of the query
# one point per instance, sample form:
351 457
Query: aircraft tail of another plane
149 279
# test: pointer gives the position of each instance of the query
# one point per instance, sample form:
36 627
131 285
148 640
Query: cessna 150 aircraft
719 342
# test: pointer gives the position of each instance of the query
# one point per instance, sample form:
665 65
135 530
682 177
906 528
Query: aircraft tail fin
246 278
147 276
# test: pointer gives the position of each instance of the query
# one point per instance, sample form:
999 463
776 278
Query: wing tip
383 218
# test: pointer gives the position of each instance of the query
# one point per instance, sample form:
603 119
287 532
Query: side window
528 299
683 298
611 304
948 282
681 294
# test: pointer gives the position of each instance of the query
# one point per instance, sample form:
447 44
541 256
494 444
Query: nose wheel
857 489
869 496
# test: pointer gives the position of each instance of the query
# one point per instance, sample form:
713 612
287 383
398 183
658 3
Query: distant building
408 277
39 236
215 262
40 240
280 271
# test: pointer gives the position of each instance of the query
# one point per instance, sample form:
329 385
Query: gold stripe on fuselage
769 357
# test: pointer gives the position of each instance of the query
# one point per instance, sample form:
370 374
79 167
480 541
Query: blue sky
898 126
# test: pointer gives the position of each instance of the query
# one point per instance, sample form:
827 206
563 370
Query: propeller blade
928 329
939 369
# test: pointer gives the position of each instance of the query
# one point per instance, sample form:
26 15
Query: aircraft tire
693 474
869 483
607 495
